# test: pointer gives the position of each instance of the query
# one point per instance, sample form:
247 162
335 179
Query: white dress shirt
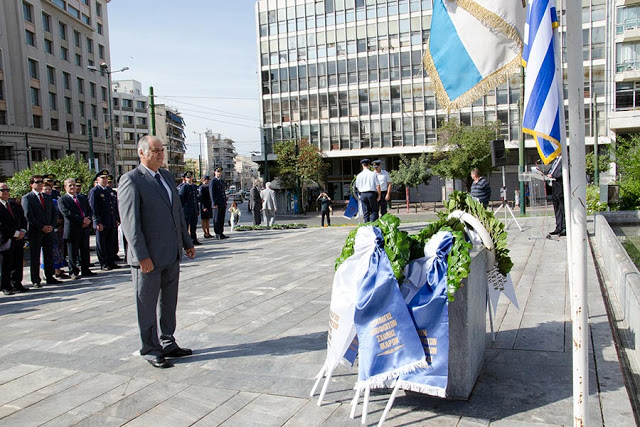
366 181
166 186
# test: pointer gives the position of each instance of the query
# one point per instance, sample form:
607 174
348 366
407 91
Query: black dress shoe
88 273
62 276
53 281
19 288
159 362
8 291
217 237
197 243
562 233
114 266
179 352
208 236
224 236
554 232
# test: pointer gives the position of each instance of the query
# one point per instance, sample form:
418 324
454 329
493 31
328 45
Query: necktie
41 200
75 199
10 210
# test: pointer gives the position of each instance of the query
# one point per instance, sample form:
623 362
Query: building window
64 53
86 19
30 38
53 101
67 105
78 60
127 103
80 86
1 91
141 121
89 45
73 12
76 38
46 22
35 97
51 75
27 9
37 121
66 79
33 68
60 4
55 124
62 29
141 105
81 108
99 28
36 154
3 117
56 154
48 46
69 127
101 51
5 152
103 92
83 129
92 89
98 9
94 111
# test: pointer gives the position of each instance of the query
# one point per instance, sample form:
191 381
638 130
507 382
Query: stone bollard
467 329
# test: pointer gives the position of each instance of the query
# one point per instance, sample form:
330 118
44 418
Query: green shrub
593 200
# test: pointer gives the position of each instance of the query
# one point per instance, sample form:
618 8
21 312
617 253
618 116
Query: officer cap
365 161
79 181
376 162
104 173
49 177
206 177
218 169
57 183
187 174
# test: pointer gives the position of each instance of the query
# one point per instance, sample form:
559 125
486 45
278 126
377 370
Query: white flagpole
577 230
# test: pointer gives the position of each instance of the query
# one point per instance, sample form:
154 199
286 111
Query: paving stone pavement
255 308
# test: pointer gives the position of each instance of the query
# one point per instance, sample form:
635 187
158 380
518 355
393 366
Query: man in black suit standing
557 196
219 200
13 227
77 221
41 221
189 199
105 220
255 202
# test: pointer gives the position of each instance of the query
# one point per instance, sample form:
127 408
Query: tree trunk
407 196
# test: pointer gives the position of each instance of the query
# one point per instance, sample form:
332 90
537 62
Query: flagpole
577 235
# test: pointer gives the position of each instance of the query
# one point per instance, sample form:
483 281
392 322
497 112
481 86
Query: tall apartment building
219 152
49 100
130 122
348 74
170 130
246 172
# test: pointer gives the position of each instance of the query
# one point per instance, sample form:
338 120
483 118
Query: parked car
238 197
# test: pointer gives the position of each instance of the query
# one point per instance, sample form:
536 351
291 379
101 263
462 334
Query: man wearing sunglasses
13 227
41 221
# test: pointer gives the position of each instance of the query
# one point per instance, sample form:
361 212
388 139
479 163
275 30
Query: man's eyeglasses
4 190
38 182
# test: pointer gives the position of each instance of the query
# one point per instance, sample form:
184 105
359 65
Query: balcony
626 2
624 121
628 71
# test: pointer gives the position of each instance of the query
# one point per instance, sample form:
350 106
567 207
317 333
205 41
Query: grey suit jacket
153 226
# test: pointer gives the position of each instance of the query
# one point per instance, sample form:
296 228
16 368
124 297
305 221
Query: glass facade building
347 75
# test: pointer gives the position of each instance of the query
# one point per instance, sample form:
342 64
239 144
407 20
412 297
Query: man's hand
387 197
47 229
215 206
86 222
100 227
146 265
191 253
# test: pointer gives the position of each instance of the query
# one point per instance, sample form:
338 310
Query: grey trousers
155 291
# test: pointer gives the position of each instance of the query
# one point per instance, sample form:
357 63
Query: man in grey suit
153 224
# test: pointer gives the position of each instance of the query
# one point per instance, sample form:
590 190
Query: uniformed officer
115 245
51 179
189 198
105 220
206 208
369 189
219 200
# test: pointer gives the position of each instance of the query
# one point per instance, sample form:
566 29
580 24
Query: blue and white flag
353 208
388 342
543 106
473 47
425 290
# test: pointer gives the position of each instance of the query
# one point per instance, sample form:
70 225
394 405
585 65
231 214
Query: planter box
467 329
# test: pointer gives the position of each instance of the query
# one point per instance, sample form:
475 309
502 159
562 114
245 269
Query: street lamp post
200 143
105 68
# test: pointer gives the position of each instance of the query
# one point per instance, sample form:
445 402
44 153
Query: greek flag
473 46
543 107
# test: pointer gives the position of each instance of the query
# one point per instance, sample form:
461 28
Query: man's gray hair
143 144
268 185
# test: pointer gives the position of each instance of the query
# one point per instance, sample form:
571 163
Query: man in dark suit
205 205
77 221
189 199
105 220
255 202
41 221
557 196
153 224
13 227
219 199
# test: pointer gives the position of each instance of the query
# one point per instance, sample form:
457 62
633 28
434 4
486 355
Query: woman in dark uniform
206 208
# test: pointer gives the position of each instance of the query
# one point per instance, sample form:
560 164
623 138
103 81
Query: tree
305 163
604 162
461 148
67 167
411 173
628 158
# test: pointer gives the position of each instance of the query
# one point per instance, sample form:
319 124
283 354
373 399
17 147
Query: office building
219 152
348 74
130 122
246 172
49 100
170 130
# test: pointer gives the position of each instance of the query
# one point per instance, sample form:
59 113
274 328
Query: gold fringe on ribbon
494 79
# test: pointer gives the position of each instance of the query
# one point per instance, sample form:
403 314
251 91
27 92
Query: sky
200 56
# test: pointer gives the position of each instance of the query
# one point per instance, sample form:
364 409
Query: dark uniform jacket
188 198
9 224
72 215
104 207
205 197
217 191
37 217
